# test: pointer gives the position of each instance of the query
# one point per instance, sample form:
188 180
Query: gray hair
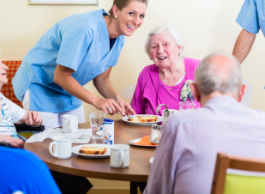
172 32
209 78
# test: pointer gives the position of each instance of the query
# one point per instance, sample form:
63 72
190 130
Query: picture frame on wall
63 2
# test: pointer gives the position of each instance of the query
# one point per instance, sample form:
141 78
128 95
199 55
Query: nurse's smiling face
131 17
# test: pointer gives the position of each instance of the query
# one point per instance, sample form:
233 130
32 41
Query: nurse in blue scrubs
76 50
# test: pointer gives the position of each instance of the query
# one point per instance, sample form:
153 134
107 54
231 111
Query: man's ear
195 91
242 92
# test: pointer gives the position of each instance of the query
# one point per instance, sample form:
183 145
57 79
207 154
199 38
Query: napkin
58 133
145 141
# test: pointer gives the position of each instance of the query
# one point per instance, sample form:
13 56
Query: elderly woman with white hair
166 81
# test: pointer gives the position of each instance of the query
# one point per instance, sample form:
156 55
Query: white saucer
62 157
76 149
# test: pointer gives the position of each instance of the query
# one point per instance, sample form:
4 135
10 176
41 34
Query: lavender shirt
185 158
151 91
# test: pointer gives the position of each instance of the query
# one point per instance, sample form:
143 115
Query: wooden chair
224 183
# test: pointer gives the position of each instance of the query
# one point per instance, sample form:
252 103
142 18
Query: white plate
134 141
151 160
159 119
76 149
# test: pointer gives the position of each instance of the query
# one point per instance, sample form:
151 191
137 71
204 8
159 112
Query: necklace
171 88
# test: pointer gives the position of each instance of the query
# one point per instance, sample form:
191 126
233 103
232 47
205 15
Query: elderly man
185 158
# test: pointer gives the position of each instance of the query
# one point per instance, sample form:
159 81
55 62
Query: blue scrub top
252 16
80 42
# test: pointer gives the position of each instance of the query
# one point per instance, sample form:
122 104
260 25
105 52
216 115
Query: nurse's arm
63 77
243 45
106 89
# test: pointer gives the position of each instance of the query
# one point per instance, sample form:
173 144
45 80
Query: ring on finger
110 109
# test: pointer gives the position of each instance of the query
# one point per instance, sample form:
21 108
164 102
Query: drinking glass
186 105
96 122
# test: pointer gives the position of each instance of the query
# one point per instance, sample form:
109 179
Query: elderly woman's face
3 68
163 50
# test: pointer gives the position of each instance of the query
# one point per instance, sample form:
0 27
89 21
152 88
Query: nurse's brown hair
123 3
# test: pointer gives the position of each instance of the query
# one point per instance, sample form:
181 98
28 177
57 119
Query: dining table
100 168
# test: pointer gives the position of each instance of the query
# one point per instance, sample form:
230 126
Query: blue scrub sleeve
248 17
73 49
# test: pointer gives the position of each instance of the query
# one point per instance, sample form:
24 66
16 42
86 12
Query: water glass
96 122
186 105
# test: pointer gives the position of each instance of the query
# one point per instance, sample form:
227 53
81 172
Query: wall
205 26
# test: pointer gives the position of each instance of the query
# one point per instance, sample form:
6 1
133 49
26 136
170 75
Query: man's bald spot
222 65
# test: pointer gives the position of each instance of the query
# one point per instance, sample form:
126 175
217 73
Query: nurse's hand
125 106
109 106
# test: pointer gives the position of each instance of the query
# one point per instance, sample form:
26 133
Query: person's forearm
243 45
106 89
2 138
74 88
22 121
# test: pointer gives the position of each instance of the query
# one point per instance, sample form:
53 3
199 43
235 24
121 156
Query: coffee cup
61 148
120 156
70 123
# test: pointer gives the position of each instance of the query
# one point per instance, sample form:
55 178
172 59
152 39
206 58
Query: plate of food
92 150
142 119
134 141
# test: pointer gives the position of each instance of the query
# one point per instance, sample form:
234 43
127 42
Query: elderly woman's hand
15 142
33 118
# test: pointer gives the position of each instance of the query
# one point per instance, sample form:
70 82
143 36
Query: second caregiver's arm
243 45
63 77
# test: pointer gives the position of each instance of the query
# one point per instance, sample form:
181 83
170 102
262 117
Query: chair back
7 89
224 183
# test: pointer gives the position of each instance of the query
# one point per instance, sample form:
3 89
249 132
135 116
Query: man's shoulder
23 155
218 114
27 160
17 163
189 116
